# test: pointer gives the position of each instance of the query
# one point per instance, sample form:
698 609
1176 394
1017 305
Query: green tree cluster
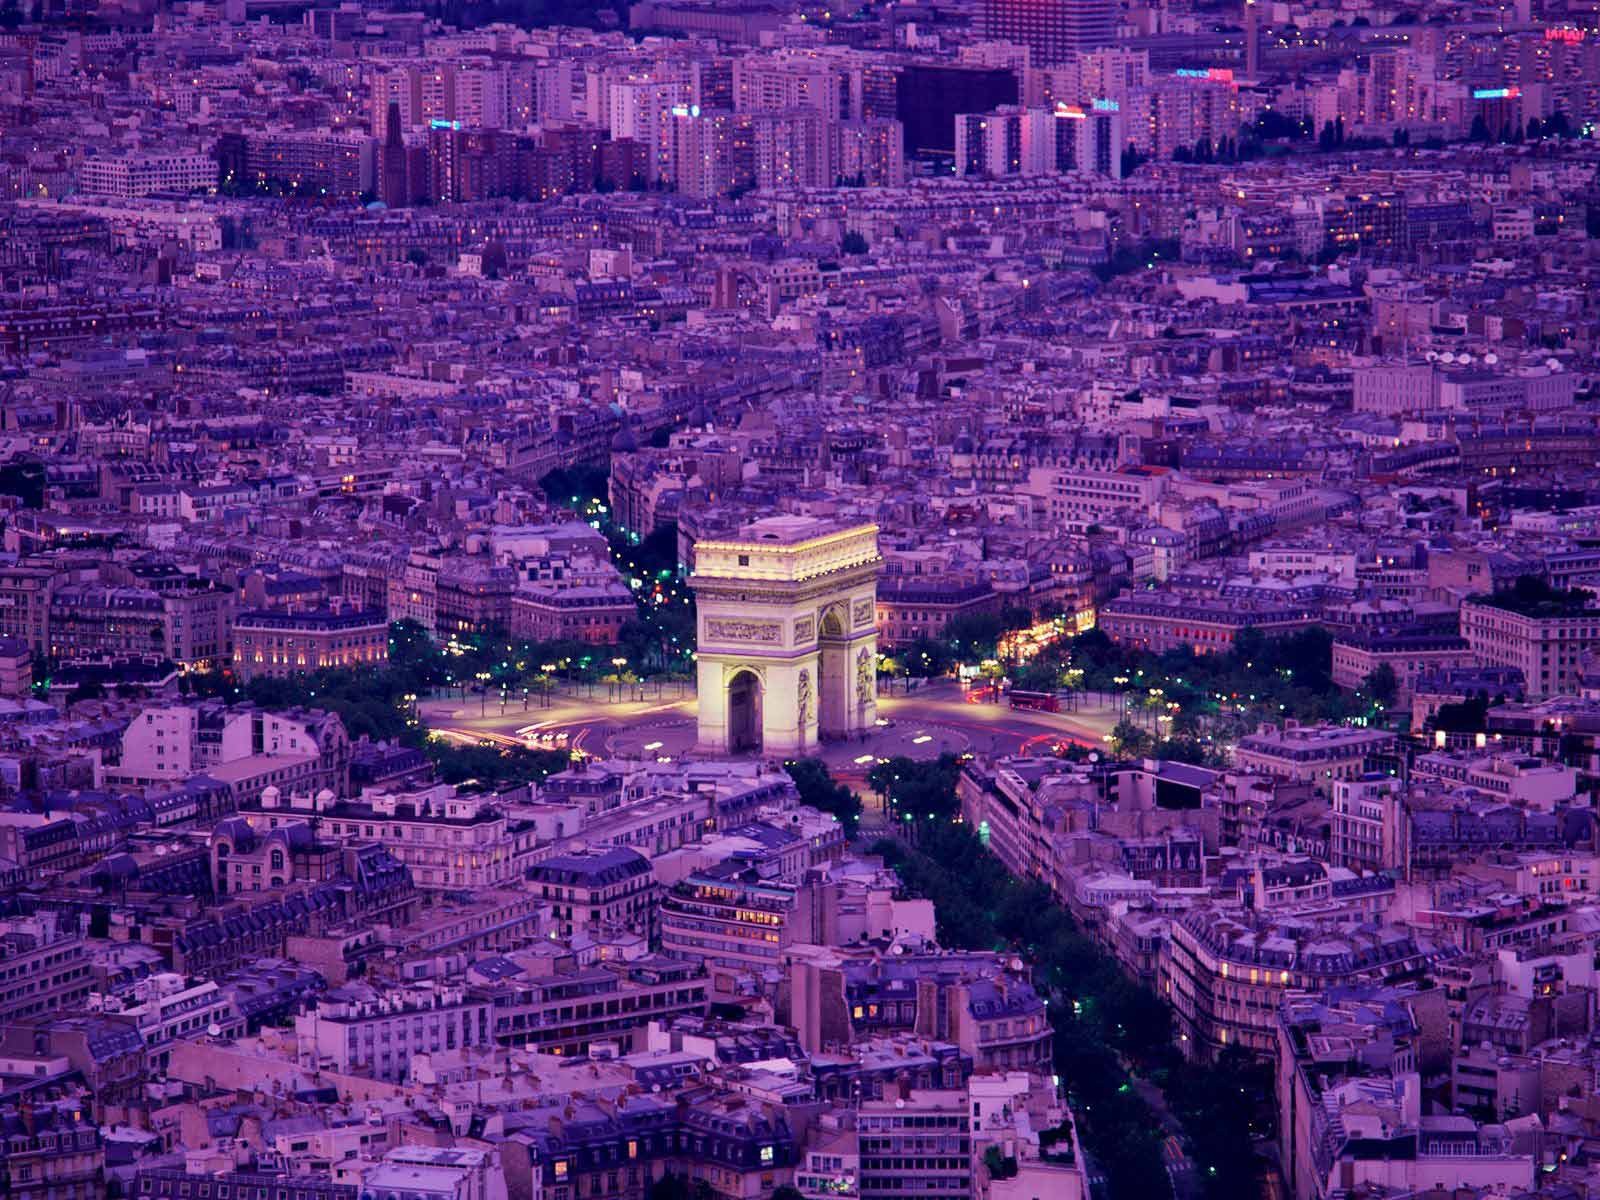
381 705
1110 1032
918 789
818 789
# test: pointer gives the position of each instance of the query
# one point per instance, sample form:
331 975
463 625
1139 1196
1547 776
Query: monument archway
790 603
835 682
744 712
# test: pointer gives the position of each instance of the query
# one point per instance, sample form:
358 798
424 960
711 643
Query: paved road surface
929 721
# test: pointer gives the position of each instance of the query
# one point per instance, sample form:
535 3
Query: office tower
872 153
712 152
929 98
796 148
1252 40
1053 30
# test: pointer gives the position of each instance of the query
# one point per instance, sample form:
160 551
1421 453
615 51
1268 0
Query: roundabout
932 720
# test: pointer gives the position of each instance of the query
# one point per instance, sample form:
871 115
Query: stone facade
787 647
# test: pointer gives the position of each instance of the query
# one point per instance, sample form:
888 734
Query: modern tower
1252 40
1054 30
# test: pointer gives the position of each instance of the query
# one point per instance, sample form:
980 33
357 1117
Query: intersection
931 720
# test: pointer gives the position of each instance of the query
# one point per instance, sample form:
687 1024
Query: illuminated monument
787 644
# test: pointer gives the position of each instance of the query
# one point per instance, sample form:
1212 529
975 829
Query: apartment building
1226 973
172 1011
449 841
44 967
593 613
571 1010
25 605
281 643
190 622
1162 621
1365 824
1546 642
359 1030
1070 494
917 606
916 1145
1408 655
296 748
735 925
129 175
1314 754
591 888
1528 782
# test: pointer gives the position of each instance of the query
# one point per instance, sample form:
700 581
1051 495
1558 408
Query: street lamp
549 670
618 663
483 693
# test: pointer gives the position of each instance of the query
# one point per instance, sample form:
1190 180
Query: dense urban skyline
799 600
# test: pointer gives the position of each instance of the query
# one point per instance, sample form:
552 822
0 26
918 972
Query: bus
1039 701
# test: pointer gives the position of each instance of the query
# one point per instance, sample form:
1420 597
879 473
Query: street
934 719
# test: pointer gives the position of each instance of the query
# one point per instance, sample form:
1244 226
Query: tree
1037 676
1129 740
999 1164
974 635
1480 129
788 1192
671 1187
925 658
1468 716
24 478
818 789
1381 684
919 790
1272 124
853 243
1181 749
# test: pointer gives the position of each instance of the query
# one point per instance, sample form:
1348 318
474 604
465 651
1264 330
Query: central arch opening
833 674
744 712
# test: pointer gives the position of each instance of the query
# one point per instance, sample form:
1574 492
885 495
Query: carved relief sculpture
743 631
864 677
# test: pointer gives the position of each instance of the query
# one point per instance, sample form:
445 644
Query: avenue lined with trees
1114 1047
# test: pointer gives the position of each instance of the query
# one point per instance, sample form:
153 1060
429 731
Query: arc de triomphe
787 648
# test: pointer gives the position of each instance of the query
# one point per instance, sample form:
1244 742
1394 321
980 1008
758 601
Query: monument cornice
725 589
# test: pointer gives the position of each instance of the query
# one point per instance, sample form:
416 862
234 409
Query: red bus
1040 701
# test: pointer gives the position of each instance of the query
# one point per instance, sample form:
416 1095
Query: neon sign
1210 74
1107 106
1567 34
1500 93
